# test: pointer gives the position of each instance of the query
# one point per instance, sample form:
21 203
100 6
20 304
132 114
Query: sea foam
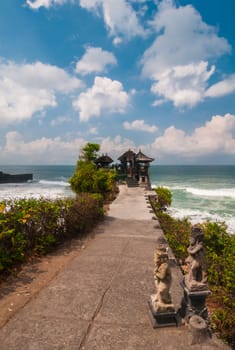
220 192
54 183
43 188
200 216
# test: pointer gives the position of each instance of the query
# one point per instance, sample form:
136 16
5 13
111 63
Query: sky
127 74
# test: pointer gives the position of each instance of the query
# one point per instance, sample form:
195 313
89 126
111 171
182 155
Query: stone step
132 182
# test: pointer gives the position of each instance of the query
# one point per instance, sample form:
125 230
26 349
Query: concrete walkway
99 301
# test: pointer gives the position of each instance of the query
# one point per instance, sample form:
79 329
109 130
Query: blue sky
152 75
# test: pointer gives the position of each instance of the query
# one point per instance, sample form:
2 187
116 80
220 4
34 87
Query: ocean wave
202 192
36 190
199 216
220 192
54 183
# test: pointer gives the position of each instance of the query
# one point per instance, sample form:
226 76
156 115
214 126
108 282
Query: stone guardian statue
161 301
196 279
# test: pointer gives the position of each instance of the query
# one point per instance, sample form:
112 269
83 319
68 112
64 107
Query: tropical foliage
89 178
29 227
220 252
164 197
89 152
220 249
177 234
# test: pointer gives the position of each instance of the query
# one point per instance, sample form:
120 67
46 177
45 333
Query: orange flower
26 217
2 207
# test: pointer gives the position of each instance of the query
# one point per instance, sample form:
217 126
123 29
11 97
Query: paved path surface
99 301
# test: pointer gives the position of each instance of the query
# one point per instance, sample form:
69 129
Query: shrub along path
99 300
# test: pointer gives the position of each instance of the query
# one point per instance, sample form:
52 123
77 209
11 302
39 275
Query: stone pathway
99 301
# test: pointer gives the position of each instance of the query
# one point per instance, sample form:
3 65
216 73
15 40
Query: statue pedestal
163 315
195 302
199 329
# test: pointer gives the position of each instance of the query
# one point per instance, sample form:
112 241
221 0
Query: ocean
50 181
199 192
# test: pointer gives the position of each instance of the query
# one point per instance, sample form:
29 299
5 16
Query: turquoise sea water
199 192
48 181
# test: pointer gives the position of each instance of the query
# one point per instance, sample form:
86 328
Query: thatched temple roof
141 157
104 160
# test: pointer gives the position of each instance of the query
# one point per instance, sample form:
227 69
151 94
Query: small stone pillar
196 303
162 310
199 330
195 282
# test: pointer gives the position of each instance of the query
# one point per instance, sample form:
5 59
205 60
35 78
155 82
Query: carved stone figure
196 279
161 301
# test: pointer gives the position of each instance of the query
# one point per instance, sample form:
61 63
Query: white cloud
139 125
40 151
95 60
158 102
183 85
117 41
183 38
105 96
60 120
93 131
119 16
178 58
133 92
36 4
225 87
215 137
116 146
57 150
29 88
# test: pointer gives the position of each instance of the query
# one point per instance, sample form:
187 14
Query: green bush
177 234
164 197
84 177
85 212
29 227
88 178
222 322
220 248
90 152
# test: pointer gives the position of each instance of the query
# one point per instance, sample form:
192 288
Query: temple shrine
134 168
103 161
